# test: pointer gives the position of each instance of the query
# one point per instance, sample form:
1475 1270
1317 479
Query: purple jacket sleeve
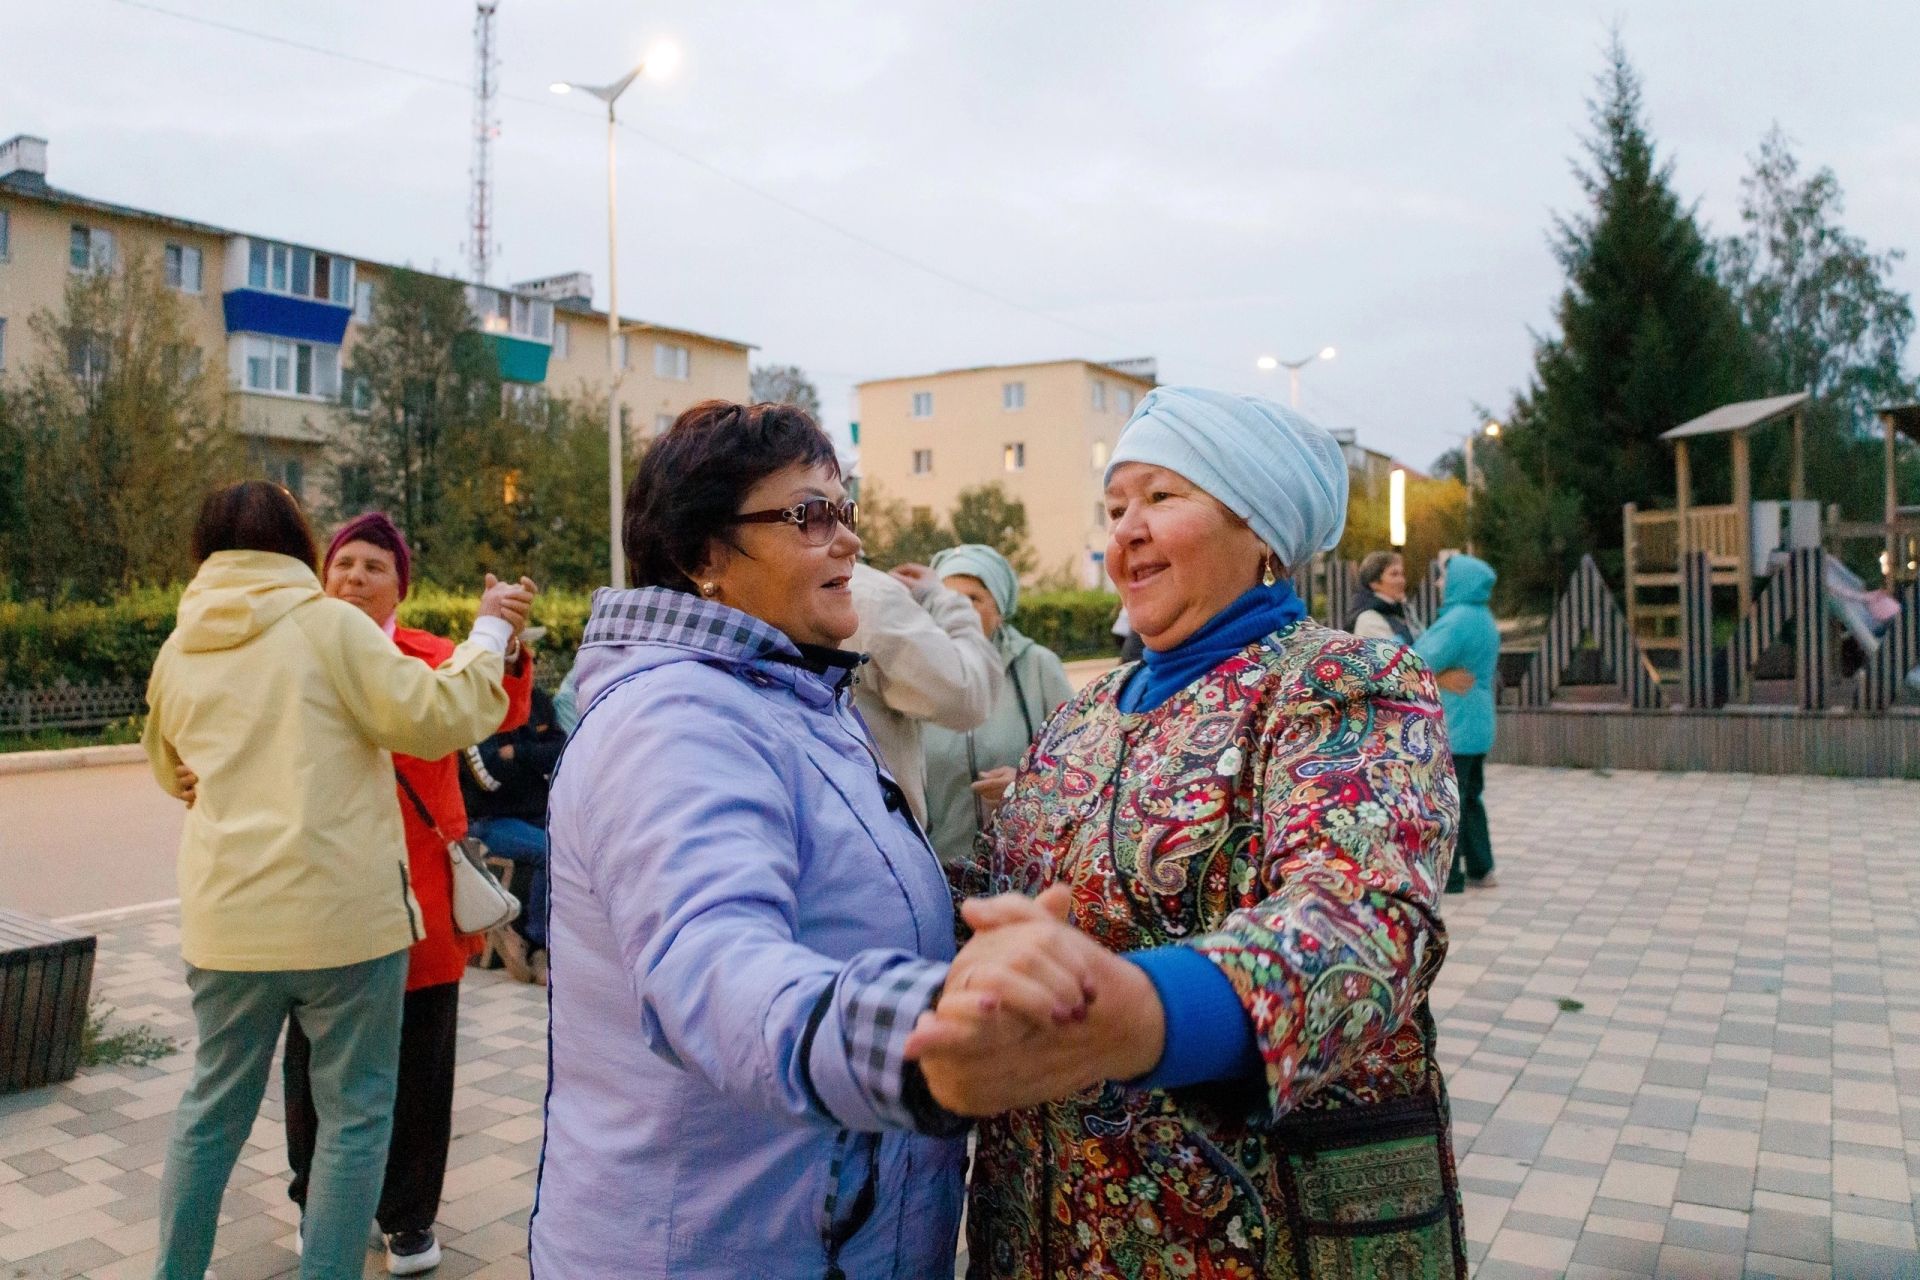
698 867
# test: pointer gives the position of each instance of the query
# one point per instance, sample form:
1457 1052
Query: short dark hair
254 515
691 482
1376 564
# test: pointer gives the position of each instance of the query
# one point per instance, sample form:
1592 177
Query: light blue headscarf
1272 466
977 560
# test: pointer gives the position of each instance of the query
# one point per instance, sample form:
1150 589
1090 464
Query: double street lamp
657 65
1293 368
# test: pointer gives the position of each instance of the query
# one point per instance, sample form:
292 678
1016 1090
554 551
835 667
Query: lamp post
658 64
1293 368
1491 430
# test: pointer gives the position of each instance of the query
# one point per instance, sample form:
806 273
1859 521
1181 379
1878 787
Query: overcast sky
1202 182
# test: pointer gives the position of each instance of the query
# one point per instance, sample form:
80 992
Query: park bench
46 975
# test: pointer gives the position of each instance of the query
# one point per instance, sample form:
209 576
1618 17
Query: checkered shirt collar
657 615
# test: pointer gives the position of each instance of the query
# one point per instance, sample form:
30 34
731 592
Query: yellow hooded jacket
287 705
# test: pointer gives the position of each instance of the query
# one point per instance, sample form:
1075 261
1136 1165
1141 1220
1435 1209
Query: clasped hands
1034 1010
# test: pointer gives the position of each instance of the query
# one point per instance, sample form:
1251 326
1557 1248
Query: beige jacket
929 661
287 705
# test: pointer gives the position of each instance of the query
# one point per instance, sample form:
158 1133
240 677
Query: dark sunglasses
816 518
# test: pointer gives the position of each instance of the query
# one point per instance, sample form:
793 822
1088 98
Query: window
662 423
89 248
1014 457
6 233
923 462
519 399
183 268
309 369
3 344
510 488
1100 455
626 351
303 273
360 394
562 338
294 476
1125 405
363 302
183 362
1099 515
87 358
1013 395
921 515
626 419
670 361
1099 396
923 404
509 313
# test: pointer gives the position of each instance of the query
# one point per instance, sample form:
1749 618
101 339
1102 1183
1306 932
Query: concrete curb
12 762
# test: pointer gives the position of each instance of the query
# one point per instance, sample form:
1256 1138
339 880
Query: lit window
1099 396
562 338
510 488
923 404
1013 395
670 361
183 268
922 462
1014 457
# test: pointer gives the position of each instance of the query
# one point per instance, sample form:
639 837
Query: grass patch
132 1046
118 733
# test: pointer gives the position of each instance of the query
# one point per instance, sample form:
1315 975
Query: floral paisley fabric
1291 814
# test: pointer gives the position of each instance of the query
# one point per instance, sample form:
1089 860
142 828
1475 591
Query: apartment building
284 318
1043 431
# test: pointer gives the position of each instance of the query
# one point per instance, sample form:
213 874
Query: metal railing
70 706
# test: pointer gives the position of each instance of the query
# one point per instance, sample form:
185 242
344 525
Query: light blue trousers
352 1016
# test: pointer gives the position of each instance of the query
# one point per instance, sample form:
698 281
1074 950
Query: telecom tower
486 85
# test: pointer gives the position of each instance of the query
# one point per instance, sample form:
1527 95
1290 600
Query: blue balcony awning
276 314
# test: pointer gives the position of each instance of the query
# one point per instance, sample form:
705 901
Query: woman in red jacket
367 565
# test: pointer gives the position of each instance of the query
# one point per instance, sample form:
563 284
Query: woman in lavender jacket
745 921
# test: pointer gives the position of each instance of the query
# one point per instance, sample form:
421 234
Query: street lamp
1491 430
1293 368
657 65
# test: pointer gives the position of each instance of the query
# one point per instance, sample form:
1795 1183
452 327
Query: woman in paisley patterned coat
1258 818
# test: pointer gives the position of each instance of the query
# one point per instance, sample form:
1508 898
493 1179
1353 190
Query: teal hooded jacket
1464 635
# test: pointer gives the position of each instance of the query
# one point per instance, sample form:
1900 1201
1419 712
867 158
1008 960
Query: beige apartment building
1043 431
284 319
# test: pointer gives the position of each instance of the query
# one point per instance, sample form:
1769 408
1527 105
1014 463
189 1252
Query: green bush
1074 624
108 643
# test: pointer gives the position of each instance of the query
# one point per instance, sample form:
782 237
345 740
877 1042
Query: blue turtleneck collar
1260 612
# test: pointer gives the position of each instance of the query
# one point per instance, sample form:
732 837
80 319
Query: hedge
110 643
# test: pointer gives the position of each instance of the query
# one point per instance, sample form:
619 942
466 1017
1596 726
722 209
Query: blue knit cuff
1209 1036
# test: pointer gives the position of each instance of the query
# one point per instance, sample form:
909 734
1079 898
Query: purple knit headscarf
374 527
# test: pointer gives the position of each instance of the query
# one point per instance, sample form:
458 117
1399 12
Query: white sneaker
411 1252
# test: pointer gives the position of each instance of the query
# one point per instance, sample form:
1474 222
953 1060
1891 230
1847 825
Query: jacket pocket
1371 1192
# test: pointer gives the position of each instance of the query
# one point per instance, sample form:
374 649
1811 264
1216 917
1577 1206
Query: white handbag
480 901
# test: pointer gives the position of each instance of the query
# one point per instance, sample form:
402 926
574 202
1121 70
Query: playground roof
1905 418
1744 416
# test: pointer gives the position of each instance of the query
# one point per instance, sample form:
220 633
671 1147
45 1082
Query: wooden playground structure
1744 644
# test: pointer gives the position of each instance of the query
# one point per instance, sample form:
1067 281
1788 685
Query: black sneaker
411 1252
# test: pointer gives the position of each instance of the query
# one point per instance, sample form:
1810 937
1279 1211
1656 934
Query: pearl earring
709 589
1266 572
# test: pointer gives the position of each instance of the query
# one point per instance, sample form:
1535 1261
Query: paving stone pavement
1738 1092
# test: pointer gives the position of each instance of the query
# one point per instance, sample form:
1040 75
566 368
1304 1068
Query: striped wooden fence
1696 631
1899 653
1797 594
1588 607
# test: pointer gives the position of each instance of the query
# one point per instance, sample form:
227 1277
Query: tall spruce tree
1648 338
